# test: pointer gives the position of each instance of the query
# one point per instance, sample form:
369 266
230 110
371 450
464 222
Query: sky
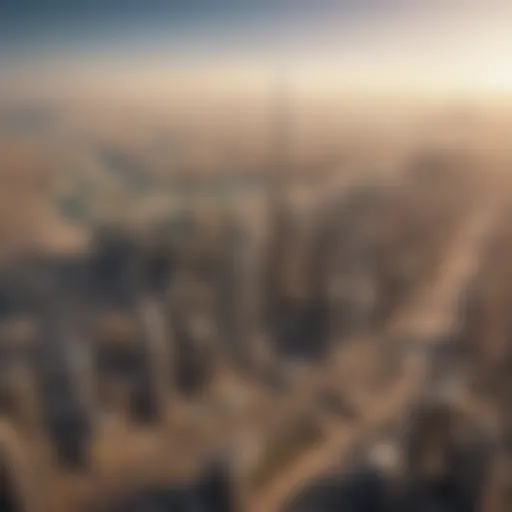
156 47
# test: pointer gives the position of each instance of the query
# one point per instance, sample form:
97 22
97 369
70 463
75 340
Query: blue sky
29 27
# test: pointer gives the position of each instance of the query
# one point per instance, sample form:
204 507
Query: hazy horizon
138 50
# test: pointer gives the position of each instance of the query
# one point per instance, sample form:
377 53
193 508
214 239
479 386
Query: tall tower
279 164
280 130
